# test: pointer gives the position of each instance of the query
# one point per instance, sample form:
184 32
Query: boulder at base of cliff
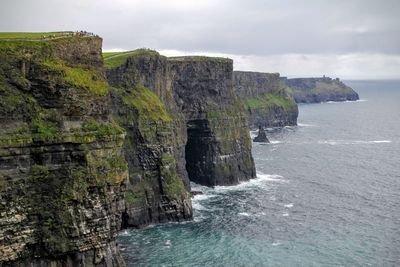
262 136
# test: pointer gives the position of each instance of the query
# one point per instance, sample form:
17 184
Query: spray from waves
261 181
253 134
306 125
347 101
352 142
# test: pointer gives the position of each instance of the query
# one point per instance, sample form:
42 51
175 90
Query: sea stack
262 136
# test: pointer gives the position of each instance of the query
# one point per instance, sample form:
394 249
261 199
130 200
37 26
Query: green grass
45 130
116 59
215 115
110 54
269 100
147 103
101 130
91 80
30 35
38 172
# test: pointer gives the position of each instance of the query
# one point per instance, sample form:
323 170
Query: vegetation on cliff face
147 104
267 101
156 192
61 191
80 77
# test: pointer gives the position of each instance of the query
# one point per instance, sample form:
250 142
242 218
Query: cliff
218 148
267 102
85 150
143 104
207 126
62 172
315 90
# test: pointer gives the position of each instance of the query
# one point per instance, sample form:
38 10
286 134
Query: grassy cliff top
115 59
32 35
201 58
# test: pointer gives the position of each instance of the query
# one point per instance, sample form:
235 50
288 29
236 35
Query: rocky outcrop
316 90
218 149
267 102
261 137
62 172
143 104
207 124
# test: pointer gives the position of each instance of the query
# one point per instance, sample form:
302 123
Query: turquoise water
327 194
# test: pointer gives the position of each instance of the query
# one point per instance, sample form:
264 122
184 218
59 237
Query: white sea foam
305 125
347 101
124 233
285 214
352 142
275 142
198 206
253 134
277 243
382 141
244 214
261 181
203 196
290 205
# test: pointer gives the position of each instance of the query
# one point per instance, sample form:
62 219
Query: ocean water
327 194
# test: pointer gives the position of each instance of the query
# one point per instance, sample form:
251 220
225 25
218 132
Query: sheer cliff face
62 172
267 102
218 149
316 90
206 125
155 145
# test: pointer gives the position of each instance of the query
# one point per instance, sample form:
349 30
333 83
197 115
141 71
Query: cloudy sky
351 39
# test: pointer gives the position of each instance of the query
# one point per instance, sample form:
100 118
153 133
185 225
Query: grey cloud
254 28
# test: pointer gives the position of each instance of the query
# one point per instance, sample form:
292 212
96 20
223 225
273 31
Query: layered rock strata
143 104
208 122
62 172
218 149
266 99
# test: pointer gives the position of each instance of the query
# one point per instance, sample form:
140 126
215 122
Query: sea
327 193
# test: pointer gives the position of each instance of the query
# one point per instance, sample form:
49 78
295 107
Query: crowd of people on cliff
68 34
